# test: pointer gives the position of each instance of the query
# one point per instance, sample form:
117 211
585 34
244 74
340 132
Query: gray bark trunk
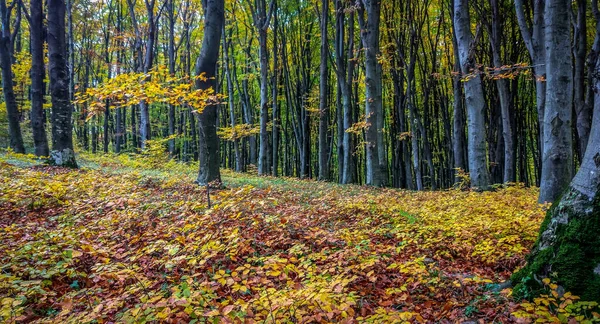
236 148
568 245
557 158
474 98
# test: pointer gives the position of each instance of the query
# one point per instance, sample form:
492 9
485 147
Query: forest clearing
123 240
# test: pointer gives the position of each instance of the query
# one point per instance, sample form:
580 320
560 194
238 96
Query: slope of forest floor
132 240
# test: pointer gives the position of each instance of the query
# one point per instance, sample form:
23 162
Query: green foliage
572 259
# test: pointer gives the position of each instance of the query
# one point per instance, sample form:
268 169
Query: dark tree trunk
504 96
534 37
171 53
14 128
207 120
376 159
323 104
38 125
579 53
62 137
276 121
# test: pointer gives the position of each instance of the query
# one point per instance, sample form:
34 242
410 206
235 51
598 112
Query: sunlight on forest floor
132 240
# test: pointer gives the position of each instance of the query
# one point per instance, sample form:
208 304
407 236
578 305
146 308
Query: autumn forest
278 161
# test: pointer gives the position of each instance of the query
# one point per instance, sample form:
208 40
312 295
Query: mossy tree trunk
568 248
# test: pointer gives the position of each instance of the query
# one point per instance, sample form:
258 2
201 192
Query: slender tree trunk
582 109
236 149
275 83
261 20
14 128
207 120
323 91
534 38
36 31
474 97
504 95
62 137
171 54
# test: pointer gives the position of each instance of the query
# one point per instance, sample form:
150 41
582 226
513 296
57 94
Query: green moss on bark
567 253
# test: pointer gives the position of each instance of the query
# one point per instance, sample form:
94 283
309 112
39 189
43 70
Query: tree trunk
14 128
207 120
474 97
568 246
323 104
40 140
62 134
376 159
236 149
276 121
171 54
557 158
534 38
504 95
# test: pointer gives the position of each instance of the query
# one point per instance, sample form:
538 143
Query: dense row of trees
393 93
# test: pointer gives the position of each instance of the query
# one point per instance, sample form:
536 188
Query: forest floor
132 240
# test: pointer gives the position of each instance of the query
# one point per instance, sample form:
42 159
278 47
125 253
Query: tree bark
275 117
14 128
62 153
568 246
236 149
557 152
376 159
206 64
504 95
474 97
36 31
323 104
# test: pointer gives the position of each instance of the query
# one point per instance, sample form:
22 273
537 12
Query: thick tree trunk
568 247
207 120
376 159
62 153
36 31
557 158
582 111
474 97
14 128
